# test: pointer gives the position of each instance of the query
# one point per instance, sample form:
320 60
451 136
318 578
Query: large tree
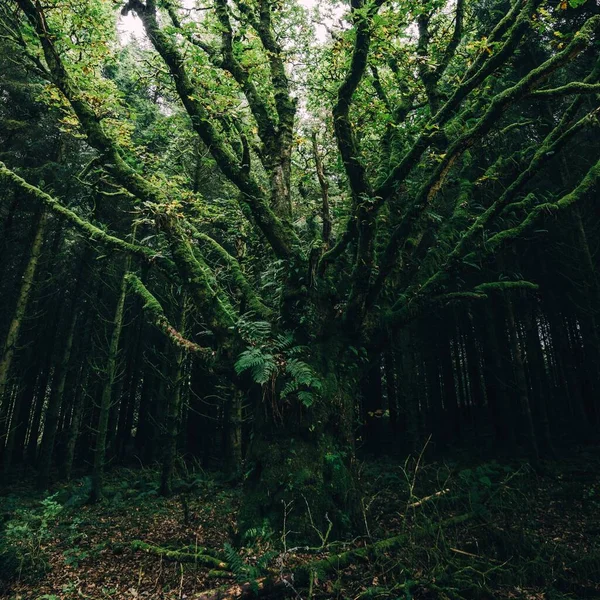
405 114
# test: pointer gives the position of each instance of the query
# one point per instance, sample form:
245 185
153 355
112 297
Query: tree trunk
14 327
521 380
109 379
173 421
301 457
233 431
53 409
391 388
55 401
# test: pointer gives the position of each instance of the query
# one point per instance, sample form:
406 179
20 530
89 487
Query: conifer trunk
105 400
233 431
173 421
521 380
14 328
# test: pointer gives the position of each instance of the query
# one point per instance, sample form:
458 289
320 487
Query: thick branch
250 297
574 87
280 236
324 185
495 111
586 186
156 315
91 232
266 127
483 66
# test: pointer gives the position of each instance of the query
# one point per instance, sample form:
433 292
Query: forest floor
431 530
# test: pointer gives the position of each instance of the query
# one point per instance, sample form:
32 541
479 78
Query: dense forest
299 299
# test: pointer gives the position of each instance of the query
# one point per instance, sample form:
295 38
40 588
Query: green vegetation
256 253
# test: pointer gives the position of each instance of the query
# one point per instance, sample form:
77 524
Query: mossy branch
500 103
554 142
93 233
587 184
280 235
156 315
513 26
574 87
505 286
323 568
176 555
251 298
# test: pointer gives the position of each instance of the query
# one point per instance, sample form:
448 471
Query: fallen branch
340 561
197 558
428 498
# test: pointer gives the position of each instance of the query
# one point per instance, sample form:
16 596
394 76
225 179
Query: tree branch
156 315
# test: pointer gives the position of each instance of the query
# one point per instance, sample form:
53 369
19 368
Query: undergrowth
430 531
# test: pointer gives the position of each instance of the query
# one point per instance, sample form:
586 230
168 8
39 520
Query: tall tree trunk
132 379
173 421
14 449
55 401
538 382
14 327
105 400
521 380
53 409
391 387
372 407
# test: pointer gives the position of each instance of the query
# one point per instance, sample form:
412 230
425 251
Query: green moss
157 316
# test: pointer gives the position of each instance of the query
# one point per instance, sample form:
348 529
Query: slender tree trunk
410 398
53 409
79 394
14 449
131 380
324 185
372 407
538 382
391 387
55 401
173 421
521 380
449 378
14 327
105 401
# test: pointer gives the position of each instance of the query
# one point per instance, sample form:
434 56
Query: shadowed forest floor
452 531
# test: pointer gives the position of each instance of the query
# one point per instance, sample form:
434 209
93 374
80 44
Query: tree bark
105 401
14 328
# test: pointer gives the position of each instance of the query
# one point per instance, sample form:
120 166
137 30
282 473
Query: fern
248 573
253 332
283 341
261 365
268 359
235 562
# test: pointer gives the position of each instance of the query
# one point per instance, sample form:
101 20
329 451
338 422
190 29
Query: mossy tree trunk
14 328
173 417
105 400
300 458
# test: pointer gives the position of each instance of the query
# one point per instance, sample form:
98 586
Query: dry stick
306 574
428 498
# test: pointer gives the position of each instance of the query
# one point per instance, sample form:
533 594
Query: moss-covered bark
300 458
105 399
14 328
